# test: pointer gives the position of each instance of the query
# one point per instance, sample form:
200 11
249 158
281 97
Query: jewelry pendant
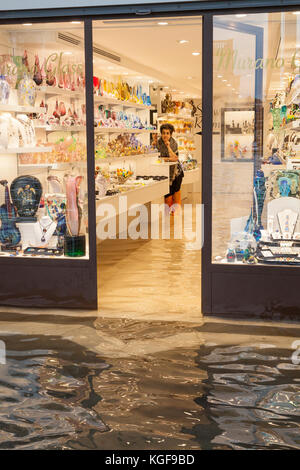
43 239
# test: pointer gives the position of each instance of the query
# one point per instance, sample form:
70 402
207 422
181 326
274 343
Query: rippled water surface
147 385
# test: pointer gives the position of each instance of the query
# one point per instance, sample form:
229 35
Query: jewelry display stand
38 233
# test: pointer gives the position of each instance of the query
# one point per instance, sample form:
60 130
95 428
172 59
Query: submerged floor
151 279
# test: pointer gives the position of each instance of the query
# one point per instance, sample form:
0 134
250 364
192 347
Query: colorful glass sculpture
26 192
26 91
4 90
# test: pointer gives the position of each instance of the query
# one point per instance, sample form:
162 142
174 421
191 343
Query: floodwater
84 382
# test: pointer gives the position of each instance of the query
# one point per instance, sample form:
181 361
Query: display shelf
60 128
51 166
136 196
54 91
189 135
122 130
162 116
21 109
126 157
293 97
186 152
292 126
26 150
125 104
164 163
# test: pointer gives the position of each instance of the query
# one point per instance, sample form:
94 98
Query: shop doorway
147 72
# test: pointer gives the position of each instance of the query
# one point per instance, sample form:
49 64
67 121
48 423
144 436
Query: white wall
38 4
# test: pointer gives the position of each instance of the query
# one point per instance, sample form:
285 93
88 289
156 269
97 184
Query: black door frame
73 283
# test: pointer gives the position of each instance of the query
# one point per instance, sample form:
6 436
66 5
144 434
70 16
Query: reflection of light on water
161 388
252 402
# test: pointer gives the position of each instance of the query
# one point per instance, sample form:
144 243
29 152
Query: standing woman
168 149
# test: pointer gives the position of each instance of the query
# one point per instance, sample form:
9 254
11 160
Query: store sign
54 63
227 58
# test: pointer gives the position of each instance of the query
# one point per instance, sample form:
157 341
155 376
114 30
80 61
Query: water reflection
46 393
249 401
165 390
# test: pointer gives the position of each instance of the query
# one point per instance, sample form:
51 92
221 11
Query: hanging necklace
44 230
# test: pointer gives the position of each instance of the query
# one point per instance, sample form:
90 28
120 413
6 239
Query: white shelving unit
60 128
292 126
13 108
121 130
126 157
25 150
293 97
124 104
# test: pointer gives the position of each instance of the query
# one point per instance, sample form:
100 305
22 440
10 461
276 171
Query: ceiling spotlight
27 24
183 41
76 22
224 80
220 76
296 12
195 53
240 15
162 23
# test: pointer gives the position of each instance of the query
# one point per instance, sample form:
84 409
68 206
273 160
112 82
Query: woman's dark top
176 171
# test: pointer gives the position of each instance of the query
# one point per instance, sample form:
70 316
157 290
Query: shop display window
256 141
43 157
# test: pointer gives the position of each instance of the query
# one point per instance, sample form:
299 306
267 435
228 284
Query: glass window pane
256 179
43 161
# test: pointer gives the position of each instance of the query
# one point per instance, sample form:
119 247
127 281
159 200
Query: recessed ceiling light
196 53
162 23
240 15
228 84
296 12
224 80
220 76
27 24
68 53
190 78
76 22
